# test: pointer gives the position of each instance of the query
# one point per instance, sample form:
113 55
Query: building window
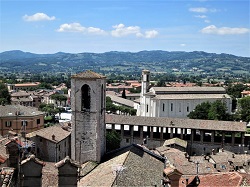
85 97
8 124
179 107
58 147
147 108
38 121
127 140
163 107
147 78
24 123
172 107
187 107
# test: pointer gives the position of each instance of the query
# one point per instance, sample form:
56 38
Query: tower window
85 97
163 107
147 108
171 106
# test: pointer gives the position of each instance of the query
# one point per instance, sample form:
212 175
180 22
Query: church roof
88 75
191 96
188 90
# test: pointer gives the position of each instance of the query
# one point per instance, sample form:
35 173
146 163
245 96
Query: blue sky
78 26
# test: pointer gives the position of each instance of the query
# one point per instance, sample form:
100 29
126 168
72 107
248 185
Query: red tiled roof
2 159
233 179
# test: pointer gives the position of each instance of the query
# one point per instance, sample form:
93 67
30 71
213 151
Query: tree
218 111
244 109
235 90
113 140
210 111
45 85
124 94
59 97
200 111
5 97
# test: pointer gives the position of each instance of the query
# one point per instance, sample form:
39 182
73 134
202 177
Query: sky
76 26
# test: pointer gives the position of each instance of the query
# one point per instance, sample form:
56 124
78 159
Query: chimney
53 137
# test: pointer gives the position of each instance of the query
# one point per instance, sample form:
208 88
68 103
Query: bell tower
145 82
88 101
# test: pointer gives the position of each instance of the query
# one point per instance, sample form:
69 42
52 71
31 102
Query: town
97 132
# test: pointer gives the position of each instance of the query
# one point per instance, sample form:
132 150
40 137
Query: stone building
52 143
176 102
88 99
20 119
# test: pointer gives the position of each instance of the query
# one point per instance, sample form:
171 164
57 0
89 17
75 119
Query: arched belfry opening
85 97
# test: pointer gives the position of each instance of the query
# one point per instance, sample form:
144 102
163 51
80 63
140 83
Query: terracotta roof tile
49 175
67 160
126 167
177 123
88 75
12 110
56 130
233 179
33 159
6 175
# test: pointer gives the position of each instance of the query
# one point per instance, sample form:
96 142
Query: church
176 102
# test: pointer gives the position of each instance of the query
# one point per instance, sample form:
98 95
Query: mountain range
195 62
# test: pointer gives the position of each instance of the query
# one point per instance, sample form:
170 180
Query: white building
176 102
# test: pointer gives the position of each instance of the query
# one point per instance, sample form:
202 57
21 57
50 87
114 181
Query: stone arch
85 101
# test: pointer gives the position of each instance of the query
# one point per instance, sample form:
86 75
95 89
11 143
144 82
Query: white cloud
198 9
202 10
120 31
182 45
94 30
201 16
207 21
72 27
151 34
77 27
38 17
212 29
